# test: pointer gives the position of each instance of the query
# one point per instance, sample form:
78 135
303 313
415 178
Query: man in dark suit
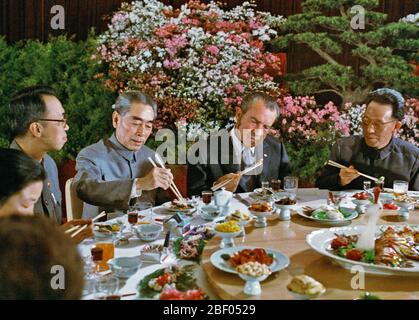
223 155
39 125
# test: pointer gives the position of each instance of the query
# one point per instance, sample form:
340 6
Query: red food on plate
354 254
163 279
174 294
339 242
361 196
390 206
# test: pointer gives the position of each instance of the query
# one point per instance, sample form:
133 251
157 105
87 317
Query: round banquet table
288 237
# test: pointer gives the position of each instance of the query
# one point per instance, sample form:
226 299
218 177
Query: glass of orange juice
108 253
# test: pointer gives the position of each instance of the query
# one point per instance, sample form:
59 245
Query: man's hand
86 233
348 175
232 185
156 178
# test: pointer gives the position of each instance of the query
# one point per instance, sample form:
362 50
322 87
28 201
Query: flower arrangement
197 61
303 121
410 123
308 131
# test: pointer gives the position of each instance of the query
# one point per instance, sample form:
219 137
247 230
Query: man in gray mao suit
114 173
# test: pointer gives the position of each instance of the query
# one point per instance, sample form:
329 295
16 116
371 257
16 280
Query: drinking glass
108 251
275 185
107 288
146 208
265 187
206 197
400 187
291 185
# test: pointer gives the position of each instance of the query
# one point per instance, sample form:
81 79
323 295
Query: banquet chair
74 206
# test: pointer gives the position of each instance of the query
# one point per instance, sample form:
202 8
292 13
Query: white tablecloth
310 197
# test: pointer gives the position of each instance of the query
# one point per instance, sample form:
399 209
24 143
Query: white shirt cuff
134 192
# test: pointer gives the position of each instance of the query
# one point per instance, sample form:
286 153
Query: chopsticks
173 186
241 173
72 229
86 225
338 165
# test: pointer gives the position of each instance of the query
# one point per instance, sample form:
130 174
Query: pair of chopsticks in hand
79 228
173 186
338 165
241 173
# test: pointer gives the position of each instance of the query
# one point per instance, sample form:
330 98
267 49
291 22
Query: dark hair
251 98
17 170
126 99
388 96
29 247
27 106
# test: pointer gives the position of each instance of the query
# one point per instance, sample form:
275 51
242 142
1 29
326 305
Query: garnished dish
286 202
190 246
227 227
239 216
361 196
405 199
260 207
305 287
162 282
176 205
152 252
396 248
390 206
107 230
228 259
254 269
249 255
326 213
175 294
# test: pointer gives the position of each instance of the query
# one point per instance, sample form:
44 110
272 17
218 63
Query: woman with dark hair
21 180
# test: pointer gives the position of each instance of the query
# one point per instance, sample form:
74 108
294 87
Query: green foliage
308 160
383 48
66 66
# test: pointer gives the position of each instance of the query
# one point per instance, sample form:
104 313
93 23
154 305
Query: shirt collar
124 152
378 153
237 144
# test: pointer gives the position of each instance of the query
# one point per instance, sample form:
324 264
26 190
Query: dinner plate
353 215
258 196
320 241
280 262
168 206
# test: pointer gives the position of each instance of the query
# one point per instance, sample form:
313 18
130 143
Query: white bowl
252 286
209 212
125 267
260 214
148 232
359 202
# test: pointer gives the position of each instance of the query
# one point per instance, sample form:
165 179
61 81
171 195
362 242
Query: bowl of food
361 198
227 231
303 287
253 272
209 212
405 202
124 267
261 209
148 232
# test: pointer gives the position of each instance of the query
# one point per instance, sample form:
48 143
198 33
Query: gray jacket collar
124 152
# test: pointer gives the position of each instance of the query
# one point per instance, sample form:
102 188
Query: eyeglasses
63 121
378 125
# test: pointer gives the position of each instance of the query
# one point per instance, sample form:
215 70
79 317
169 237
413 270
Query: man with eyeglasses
114 173
378 152
229 152
39 126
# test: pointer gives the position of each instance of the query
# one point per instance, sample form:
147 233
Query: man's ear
35 129
115 119
397 126
239 114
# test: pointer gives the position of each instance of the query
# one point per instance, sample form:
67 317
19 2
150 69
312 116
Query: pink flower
213 50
